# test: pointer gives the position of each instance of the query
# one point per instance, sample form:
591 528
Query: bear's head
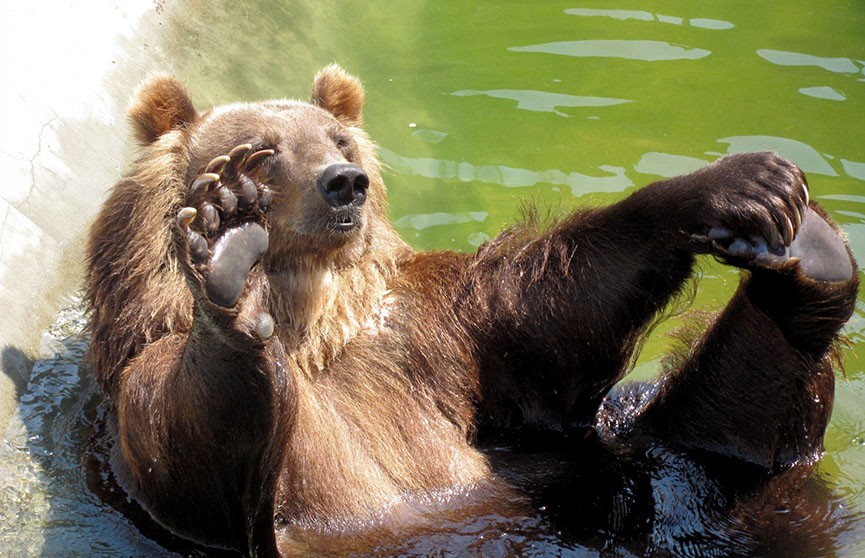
329 201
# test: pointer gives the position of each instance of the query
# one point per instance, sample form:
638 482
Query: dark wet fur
346 389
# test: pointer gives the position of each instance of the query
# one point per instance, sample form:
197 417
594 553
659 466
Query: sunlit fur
361 411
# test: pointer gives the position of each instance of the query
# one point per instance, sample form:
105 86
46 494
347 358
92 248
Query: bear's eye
344 144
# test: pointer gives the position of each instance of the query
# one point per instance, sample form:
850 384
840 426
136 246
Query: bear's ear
161 105
339 93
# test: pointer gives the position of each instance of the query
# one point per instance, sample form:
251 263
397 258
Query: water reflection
419 221
649 51
704 23
854 169
808 158
786 58
667 165
543 101
46 508
511 177
848 198
823 92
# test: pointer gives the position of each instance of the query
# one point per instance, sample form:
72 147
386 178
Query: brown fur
339 93
162 105
361 410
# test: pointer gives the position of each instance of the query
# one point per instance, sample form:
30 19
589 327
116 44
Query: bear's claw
239 152
198 249
752 206
257 157
217 164
224 233
203 181
185 217
816 249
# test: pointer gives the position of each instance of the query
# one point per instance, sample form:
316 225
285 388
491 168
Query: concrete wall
69 70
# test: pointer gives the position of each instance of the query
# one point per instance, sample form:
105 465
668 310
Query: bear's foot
225 234
817 250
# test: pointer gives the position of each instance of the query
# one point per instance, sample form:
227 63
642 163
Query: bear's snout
343 184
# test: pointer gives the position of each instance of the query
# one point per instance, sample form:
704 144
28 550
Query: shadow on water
57 496
17 366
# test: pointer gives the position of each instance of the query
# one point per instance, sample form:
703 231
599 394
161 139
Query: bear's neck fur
322 304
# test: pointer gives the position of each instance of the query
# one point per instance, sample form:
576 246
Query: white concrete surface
68 71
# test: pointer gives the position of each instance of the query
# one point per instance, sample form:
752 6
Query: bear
280 368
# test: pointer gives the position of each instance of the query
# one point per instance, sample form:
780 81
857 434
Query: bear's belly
352 465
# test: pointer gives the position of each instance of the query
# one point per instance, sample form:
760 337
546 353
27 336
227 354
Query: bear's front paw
224 233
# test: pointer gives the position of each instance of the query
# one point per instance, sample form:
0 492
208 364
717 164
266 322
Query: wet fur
387 365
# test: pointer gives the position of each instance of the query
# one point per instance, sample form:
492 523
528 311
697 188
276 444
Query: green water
482 107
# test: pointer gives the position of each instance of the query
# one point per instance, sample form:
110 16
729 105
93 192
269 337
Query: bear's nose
344 184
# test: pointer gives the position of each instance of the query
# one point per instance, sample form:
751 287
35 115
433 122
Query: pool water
480 108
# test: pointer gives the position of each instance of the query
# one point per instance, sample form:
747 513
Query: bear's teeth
344 223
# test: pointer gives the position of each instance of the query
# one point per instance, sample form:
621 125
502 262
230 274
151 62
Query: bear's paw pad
225 233
817 250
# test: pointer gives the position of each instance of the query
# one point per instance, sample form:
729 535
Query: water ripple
808 158
824 92
649 51
786 58
543 101
511 177
701 22
667 165
419 221
854 169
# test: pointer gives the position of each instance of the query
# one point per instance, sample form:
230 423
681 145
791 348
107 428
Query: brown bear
280 365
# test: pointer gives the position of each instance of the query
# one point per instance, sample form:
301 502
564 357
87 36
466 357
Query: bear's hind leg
759 385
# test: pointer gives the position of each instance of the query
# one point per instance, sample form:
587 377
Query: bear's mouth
345 223
346 219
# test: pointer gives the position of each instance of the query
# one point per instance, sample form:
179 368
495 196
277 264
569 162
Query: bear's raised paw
224 227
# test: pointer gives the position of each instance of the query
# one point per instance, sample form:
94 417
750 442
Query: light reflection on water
490 85
667 164
543 101
649 51
46 506
701 22
854 169
421 221
823 92
504 175
808 158
784 58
